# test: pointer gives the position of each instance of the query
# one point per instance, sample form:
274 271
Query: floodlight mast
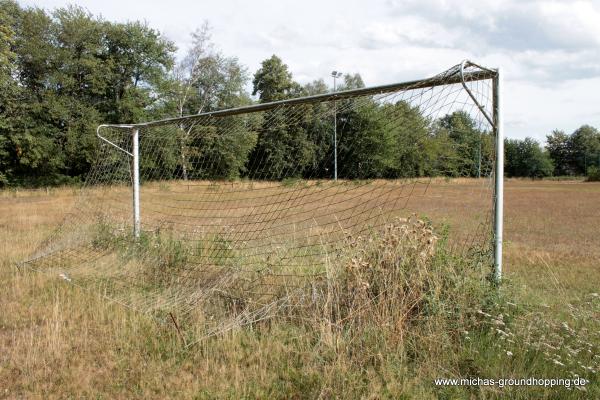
335 75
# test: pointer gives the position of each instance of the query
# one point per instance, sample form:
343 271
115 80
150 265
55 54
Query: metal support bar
334 130
108 141
471 95
375 90
499 176
335 141
135 133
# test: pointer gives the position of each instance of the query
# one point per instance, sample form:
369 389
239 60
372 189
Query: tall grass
397 311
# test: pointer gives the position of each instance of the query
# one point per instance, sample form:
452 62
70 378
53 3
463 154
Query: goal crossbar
451 79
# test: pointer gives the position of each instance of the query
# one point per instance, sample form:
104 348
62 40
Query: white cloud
572 23
409 30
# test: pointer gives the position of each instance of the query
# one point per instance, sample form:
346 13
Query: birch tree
205 80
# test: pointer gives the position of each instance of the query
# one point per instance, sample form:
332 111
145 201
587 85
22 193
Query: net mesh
239 208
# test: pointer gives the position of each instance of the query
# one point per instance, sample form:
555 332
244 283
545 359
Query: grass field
59 341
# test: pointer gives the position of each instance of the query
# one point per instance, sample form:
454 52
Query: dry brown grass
59 341
553 236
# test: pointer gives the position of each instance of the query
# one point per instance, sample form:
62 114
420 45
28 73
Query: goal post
498 176
246 200
334 97
135 147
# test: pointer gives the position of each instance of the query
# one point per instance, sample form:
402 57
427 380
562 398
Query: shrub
593 174
400 290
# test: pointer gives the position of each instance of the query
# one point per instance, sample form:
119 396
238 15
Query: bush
593 174
396 310
3 180
399 290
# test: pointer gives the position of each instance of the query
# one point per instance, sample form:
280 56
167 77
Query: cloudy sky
549 51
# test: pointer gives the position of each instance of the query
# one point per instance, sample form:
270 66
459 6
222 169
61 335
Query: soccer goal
181 213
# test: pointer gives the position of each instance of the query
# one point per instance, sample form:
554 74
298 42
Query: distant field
553 236
548 224
58 341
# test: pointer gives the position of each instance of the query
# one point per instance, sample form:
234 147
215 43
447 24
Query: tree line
64 72
577 154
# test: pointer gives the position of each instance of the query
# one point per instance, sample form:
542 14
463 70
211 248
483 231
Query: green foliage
228 149
352 81
411 153
585 147
7 39
574 154
559 150
64 72
365 146
469 150
526 158
283 147
593 174
70 72
273 81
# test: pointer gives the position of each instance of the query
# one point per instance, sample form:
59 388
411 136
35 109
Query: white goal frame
463 77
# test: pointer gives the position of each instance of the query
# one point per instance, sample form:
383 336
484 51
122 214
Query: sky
548 51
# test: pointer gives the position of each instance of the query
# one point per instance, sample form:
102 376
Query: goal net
238 208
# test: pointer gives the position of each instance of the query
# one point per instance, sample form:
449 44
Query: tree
558 145
138 58
365 144
283 148
8 87
411 156
315 87
319 131
7 40
30 149
585 148
352 81
574 154
226 145
205 80
470 152
274 82
71 71
526 158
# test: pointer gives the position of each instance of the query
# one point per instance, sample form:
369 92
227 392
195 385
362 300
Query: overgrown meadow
398 313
